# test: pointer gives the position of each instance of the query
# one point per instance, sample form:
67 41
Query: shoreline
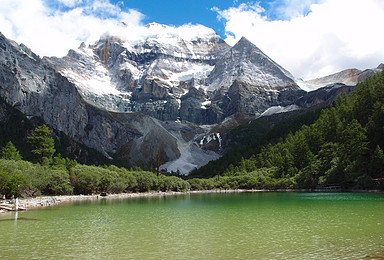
47 201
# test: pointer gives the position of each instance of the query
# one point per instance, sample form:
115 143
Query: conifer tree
43 144
10 152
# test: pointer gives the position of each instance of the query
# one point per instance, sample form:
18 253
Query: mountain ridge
153 78
119 101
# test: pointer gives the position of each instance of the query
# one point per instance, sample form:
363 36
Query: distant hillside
247 139
343 147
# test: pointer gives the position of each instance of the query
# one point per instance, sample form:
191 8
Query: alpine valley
171 95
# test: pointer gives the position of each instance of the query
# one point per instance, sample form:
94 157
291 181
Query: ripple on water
210 226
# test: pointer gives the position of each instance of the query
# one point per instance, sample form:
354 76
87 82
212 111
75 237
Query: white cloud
311 39
70 3
50 32
288 9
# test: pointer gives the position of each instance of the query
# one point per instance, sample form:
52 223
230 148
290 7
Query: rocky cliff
35 88
199 79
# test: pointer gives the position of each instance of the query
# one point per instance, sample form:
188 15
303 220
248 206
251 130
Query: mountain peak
244 40
247 46
156 25
245 62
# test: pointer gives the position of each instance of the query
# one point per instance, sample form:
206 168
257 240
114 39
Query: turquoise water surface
263 225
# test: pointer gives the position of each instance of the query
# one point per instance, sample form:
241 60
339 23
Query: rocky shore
46 201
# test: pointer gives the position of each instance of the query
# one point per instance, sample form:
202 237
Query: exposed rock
157 78
32 86
323 96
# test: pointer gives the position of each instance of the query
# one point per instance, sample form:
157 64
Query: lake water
265 225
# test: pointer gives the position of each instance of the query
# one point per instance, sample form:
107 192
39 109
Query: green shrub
88 179
146 181
202 184
173 183
11 183
58 183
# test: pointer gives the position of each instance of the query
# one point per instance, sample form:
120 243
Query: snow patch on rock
209 138
192 157
279 109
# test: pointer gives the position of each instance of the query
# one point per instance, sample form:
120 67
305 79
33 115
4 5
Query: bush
125 180
202 184
11 184
88 179
25 173
146 181
173 183
58 183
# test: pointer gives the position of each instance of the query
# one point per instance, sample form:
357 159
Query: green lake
263 225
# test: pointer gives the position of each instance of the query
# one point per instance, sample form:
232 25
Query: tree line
47 174
54 175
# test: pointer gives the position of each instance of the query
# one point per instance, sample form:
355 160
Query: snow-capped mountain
167 90
191 75
247 63
348 77
155 70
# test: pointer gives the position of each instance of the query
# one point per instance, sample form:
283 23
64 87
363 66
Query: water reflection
17 218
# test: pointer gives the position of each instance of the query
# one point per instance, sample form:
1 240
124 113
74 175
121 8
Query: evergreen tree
43 144
377 163
10 152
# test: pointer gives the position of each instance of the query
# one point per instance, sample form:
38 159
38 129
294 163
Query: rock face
323 96
30 84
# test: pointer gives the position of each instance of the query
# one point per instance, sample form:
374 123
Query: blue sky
310 38
179 12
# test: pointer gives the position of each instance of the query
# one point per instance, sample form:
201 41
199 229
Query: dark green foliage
26 175
57 182
43 144
10 152
264 178
146 181
88 179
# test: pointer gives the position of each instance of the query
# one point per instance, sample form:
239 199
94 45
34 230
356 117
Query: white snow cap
161 33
